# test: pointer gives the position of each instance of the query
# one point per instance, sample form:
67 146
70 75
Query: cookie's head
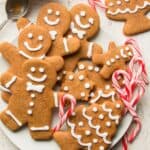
42 72
85 21
55 17
33 40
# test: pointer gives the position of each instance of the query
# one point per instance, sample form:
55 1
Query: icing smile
51 23
27 46
35 79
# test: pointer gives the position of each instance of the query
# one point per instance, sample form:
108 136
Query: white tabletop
115 29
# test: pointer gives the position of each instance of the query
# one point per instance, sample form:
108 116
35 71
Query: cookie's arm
8 82
56 98
8 51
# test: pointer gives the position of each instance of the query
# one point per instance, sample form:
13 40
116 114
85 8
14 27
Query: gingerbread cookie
116 58
85 25
33 42
133 12
78 85
91 127
32 98
56 19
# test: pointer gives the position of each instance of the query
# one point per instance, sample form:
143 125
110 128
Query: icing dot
64 72
117 57
30 35
91 21
87 132
32 95
127 48
95 109
95 141
111 4
127 0
80 124
92 94
29 112
112 60
81 67
58 78
118 2
87 85
108 124
82 13
130 54
101 116
40 38
90 68
81 77
49 11
108 63
82 94
107 87
57 13
70 36
118 106
41 70
66 88
33 69
96 69
71 77
73 114
101 148
31 104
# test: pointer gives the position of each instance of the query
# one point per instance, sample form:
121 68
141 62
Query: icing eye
57 13
40 38
30 35
49 11
82 13
32 69
41 70
91 20
119 2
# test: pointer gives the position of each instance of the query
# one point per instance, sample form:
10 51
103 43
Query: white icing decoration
128 10
30 35
112 117
57 13
65 45
31 104
95 109
96 127
2 88
44 128
29 112
71 77
97 69
90 68
40 38
35 79
127 0
80 124
49 11
130 54
27 46
119 2
51 23
81 77
77 136
36 88
122 53
32 95
66 88
87 85
127 48
33 69
101 116
90 50
101 94
108 63
70 36
108 124
55 95
117 57
111 4
78 22
87 132
112 60
41 70
80 33
107 87
9 113
82 13
64 72
58 78
92 94
29 57
53 34
9 84
81 67
73 114
95 141
101 148
91 21
118 106
82 94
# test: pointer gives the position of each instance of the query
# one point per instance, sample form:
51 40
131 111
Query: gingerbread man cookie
91 127
32 98
133 12
116 58
78 85
85 25
33 42
56 19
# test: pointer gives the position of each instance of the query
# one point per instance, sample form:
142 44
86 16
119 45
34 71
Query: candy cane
135 81
62 115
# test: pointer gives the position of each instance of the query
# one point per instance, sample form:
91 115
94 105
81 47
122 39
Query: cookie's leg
66 141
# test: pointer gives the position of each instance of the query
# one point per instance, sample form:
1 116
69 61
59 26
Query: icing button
82 94
87 85
71 77
101 148
95 141
101 116
87 132
117 57
96 69
90 68
80 124
81 67
107 87
81 77
112 60
66 88
29 112
95 109
108 124
31 104
32 95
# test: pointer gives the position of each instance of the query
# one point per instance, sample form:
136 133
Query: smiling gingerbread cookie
32 98
56 19
85 24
